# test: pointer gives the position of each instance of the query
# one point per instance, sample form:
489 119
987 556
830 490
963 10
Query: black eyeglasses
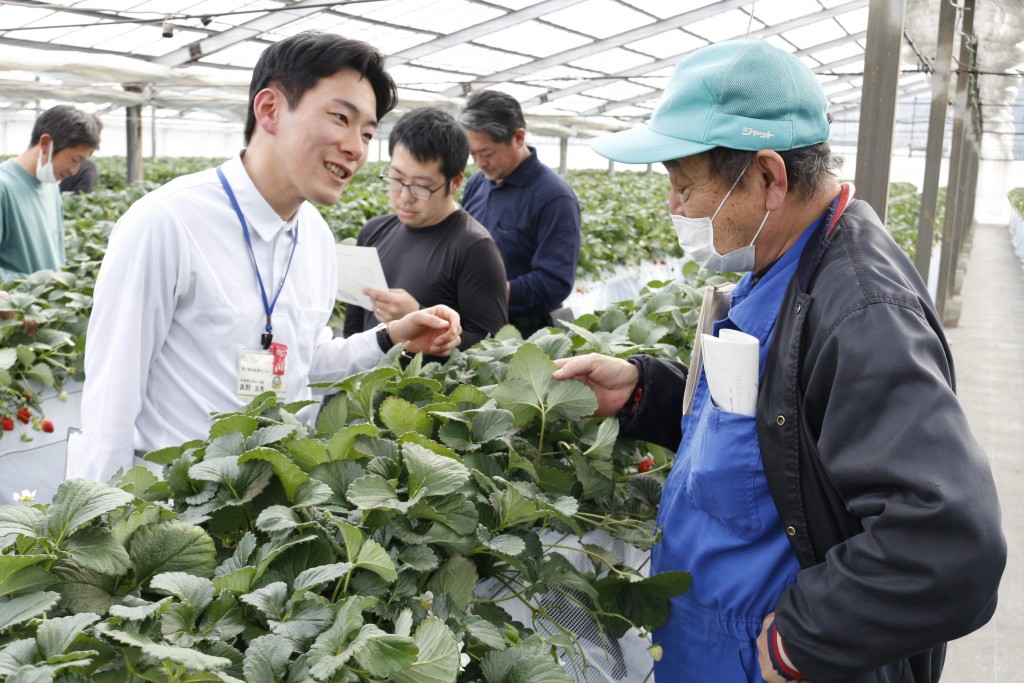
421 192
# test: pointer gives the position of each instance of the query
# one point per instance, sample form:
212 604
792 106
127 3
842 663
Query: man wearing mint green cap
842 526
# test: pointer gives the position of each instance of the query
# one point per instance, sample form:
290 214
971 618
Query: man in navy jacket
530 211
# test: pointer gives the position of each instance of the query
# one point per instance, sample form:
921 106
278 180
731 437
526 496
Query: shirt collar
259 215
755 305
524 171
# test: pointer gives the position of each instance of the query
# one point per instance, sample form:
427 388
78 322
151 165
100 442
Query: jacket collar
815 249
526 169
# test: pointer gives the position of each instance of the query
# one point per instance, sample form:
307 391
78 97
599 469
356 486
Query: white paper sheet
731 365
358 267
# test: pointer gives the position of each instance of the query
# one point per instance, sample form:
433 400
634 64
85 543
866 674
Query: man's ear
267 107
45 143
771 178
519 138
455 183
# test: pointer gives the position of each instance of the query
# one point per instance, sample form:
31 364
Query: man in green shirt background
31 213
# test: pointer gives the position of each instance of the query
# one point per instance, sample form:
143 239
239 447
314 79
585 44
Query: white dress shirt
177 299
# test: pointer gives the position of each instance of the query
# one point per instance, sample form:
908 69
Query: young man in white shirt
219 285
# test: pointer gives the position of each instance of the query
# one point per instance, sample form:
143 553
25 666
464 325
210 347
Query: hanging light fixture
168 29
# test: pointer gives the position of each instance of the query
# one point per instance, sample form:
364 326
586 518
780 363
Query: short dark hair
295 65
493 112
807 168
431 134
69 127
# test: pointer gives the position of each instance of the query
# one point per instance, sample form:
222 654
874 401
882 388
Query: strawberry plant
625 219
41 342
903 215
355 550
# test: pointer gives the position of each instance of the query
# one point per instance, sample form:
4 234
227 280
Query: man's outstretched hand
612 379
434 331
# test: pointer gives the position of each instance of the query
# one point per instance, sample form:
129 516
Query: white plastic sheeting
605 659
1017 235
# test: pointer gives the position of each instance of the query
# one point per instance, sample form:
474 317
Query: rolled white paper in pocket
731 366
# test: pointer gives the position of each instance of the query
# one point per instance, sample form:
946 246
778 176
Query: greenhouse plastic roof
578 66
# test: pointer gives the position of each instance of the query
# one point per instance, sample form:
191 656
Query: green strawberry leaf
77 502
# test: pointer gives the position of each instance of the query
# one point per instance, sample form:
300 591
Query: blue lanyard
268 306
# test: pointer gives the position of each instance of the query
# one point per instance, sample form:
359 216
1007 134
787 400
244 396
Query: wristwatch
383 338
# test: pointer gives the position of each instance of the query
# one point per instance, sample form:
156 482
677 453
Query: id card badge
260 371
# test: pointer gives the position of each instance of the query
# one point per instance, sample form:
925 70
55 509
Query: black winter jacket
887 498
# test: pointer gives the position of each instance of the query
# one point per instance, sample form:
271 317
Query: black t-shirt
455 263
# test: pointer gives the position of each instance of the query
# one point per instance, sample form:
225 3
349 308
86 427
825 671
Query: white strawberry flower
25 496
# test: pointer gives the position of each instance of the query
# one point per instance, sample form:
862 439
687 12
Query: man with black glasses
431 250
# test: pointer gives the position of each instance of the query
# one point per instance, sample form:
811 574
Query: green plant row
357 550
43 318
904 212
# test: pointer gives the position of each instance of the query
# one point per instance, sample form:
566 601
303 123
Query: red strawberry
7 423
24 414
645 465
47 425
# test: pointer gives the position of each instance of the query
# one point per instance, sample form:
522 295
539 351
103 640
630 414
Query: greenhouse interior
427 497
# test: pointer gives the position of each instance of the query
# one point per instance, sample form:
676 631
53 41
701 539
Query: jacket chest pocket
726 474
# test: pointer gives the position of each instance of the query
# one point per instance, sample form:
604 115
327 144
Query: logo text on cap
766 134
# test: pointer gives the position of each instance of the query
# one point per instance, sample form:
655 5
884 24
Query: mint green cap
741 94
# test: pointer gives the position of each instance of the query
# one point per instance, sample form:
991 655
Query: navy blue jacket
534 218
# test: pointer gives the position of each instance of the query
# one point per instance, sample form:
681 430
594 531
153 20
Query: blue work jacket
718 519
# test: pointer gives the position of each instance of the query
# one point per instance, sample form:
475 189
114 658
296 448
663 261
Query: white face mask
697 238
44 172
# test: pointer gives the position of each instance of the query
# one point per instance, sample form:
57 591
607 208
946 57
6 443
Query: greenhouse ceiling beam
838 80
36 45
478 30
845 61
58 47
562 58
250 30
91 13
434 35
643 69
904 93
336 12
611 106
105 17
